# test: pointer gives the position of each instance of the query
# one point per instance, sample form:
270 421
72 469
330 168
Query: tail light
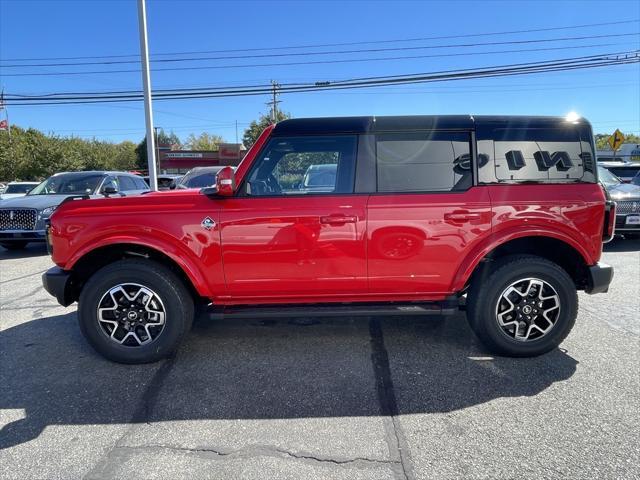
609 221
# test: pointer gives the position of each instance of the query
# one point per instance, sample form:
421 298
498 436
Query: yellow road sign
616 140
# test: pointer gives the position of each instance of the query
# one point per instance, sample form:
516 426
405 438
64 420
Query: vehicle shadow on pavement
623 245
31 250
261 370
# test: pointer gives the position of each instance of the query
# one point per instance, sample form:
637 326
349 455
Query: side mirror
109 190
225 184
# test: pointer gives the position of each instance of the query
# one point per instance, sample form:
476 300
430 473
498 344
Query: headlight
48 211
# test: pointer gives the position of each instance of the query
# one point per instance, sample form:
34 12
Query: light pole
146 82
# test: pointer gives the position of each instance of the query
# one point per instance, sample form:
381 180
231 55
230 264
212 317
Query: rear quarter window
538 155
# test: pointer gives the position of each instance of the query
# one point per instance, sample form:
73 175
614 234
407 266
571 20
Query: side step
447 307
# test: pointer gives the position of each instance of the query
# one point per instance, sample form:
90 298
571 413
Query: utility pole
155 134
146 82
274 102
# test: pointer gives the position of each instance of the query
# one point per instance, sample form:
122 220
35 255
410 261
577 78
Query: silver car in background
627 198
17 189
23 220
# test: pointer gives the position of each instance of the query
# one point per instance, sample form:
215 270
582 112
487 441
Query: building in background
628 152
181 161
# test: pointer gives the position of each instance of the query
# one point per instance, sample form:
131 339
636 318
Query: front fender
177 252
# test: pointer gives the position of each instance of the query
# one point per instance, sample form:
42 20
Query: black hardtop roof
371 124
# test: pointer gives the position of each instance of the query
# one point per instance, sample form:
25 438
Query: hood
33 201
624 191
7 196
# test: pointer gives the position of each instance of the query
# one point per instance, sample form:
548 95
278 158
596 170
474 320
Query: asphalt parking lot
349 398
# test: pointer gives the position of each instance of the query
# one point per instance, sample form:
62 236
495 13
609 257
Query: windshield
608 178
68 184
19 187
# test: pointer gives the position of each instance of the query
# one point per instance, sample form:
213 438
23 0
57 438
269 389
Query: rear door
282 239
426 213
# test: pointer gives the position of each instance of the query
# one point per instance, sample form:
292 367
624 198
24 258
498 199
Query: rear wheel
525 307
135 311
14 245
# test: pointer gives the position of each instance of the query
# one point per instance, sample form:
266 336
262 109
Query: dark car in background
627 198
199 177
625 171
22 220
165 182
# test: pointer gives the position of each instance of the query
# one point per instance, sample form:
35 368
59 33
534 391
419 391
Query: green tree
204 141
28 154
163 139
256 127
602 138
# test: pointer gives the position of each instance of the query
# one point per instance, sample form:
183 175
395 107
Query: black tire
176 301
14 245
485 294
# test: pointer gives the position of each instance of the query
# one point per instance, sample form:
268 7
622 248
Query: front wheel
135 311
525 307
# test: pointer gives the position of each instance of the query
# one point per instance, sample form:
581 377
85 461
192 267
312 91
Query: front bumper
621 224
599 277
22 235
59 283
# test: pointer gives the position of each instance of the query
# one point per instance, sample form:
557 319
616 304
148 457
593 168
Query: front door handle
338 219
461 216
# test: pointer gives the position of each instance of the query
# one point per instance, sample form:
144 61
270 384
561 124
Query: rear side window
423 162
538 155
140 183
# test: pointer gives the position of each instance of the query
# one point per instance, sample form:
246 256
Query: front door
295 230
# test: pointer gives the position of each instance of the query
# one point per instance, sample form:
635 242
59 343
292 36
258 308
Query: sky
609 97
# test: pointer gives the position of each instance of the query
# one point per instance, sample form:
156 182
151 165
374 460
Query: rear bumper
58 283
599 277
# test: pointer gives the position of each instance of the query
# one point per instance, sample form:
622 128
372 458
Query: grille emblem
634 207
11 214
208 223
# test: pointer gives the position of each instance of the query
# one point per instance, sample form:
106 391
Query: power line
365 82
315 62
331 52
342 44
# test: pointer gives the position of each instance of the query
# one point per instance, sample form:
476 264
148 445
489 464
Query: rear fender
473 259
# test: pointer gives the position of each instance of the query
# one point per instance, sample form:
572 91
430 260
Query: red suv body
412 214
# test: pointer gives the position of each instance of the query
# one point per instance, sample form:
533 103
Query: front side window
127 183
304 165
423 162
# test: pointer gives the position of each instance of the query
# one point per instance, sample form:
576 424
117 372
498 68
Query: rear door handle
461 216
338 219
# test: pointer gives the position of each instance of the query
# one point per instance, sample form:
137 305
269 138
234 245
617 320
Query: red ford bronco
351 216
